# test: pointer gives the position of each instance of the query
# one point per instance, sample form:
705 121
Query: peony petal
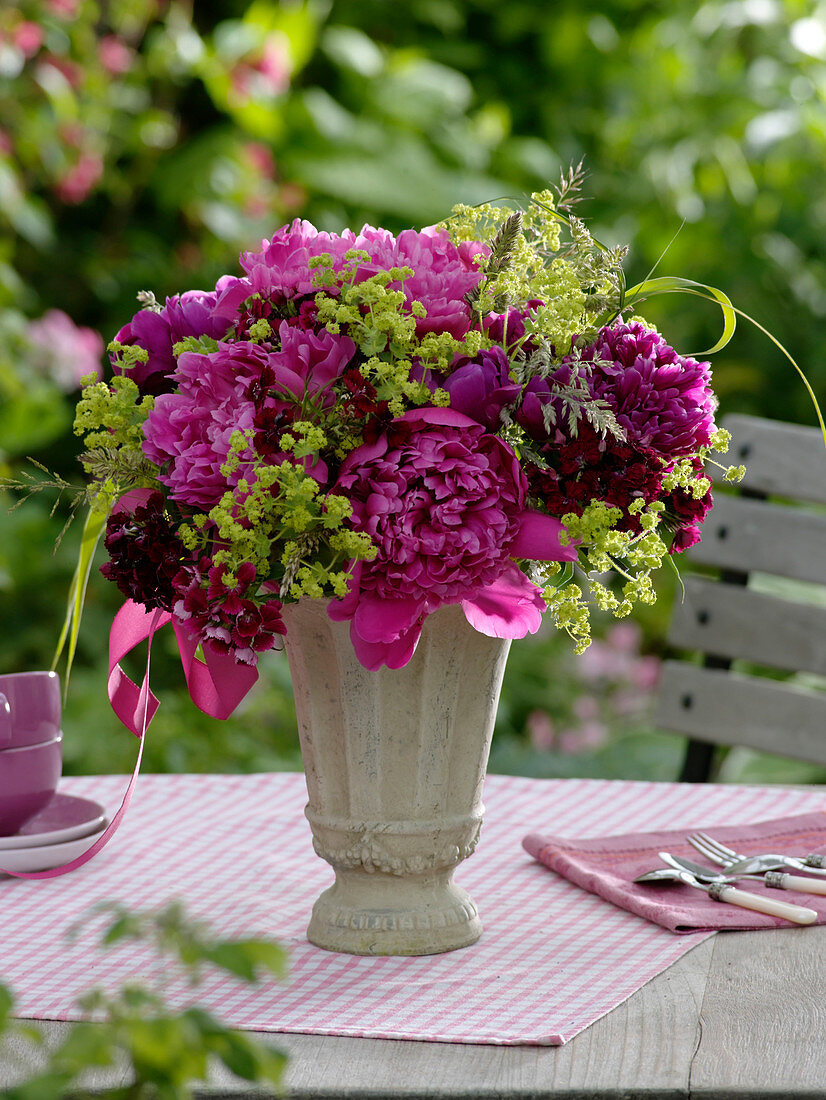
134 498
342 610
439 416
538 538
511 607
382 620
394 654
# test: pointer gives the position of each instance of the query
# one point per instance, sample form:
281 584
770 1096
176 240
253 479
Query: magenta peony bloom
282 269
538 393
189 432
443 272
508 328
663 400
480 388
444 502
316 359
192 314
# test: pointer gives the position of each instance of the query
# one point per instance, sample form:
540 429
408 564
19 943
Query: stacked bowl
31 744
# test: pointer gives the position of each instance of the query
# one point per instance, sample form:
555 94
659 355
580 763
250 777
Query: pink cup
30 745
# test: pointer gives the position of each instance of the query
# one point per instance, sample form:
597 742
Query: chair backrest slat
731 621
780 459
729 709
746 535
772 526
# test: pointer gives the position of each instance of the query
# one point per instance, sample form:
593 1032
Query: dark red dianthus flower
145 554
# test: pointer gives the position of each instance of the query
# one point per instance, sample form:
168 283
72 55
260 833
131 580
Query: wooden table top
741 1016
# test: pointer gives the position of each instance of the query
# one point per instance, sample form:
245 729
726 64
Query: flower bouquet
466 415
397 453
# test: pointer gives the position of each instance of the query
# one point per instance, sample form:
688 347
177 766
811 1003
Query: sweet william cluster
464 414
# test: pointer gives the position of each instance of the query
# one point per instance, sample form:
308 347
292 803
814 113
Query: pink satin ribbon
216 687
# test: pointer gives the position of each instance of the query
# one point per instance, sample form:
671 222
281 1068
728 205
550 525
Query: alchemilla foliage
464 414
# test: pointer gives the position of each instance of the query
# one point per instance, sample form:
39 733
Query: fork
770 865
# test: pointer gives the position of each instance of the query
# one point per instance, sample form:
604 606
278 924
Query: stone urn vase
395 762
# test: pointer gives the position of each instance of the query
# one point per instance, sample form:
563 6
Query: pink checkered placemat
237 851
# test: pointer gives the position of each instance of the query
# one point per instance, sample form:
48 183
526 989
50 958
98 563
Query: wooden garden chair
741 620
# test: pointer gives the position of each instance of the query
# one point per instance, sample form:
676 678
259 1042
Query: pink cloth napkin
608 866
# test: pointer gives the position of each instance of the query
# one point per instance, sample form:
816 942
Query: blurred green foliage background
144 143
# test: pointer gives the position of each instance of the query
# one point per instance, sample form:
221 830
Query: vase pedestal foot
381 914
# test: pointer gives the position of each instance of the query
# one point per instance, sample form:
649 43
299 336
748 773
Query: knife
723 891
776 880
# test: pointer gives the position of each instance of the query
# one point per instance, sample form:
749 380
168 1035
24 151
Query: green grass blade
793 362
92 530
672 284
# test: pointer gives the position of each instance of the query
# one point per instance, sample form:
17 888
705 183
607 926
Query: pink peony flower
444 502
480 388
663 400
443 272
189 432
281 271
193 313
314 359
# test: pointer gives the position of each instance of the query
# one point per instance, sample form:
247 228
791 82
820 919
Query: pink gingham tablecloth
237 851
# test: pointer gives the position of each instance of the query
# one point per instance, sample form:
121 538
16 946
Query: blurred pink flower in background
115 56
28 38
63 351
645 673
541 730
80 180
588 736
260 157
586 708
266 73
614 684
615 657
64 9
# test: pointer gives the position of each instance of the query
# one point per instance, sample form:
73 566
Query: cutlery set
718 882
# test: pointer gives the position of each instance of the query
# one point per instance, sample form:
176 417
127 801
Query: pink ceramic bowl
29 708
28 779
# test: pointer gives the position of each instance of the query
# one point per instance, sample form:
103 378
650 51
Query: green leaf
670 284
6 1006
49 1086
86 1045
31 420
246 958
249 1059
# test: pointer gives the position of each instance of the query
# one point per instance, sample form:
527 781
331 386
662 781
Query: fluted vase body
395 761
